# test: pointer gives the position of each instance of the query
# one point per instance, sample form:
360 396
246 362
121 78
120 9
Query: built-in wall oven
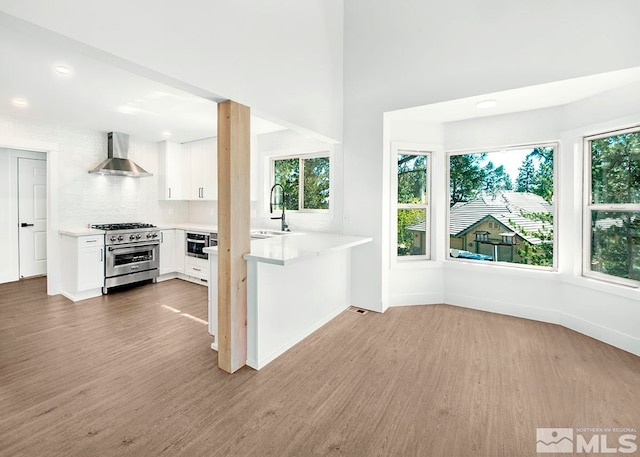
196 242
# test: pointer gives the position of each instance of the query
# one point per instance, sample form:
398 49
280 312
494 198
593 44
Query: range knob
120 238
148 235
132 237
154 235
138 236
113 238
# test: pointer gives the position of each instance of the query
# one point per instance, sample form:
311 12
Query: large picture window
305 179
612 213
412 198
501 205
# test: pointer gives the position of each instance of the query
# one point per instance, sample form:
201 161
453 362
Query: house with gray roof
495 225
492 226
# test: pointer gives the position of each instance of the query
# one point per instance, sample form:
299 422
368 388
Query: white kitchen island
296 283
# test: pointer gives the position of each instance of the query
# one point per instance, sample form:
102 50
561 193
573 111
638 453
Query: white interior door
32 214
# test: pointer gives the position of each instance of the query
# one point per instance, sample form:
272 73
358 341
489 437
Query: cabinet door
180 251
172 164
213 296
90 268
167 251
196 169
203 172
210 170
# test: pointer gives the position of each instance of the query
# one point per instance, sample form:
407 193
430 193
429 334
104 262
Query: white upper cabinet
188 171
172 175
203 171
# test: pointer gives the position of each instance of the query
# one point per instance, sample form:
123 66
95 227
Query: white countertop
80 231
294 247
194 227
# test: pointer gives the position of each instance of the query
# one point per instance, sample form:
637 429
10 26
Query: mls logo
554 440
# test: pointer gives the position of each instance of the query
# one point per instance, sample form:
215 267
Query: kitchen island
296 283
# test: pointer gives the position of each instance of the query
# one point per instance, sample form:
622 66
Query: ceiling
523 99
96 95
101 96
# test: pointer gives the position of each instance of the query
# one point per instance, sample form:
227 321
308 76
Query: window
612 213
501 205
305 179
412 204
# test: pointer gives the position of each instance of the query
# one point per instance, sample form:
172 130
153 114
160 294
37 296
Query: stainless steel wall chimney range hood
117 163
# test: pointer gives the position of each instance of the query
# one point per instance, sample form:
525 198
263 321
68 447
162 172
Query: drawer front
90 241
197 271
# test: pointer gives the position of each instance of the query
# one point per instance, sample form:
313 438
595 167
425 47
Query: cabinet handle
197 269
91 241
101 255
169 192
162 237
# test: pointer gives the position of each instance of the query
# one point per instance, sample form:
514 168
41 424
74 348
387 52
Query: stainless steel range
132 253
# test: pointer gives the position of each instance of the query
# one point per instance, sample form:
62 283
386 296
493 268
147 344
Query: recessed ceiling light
62 70
166 133
127 109
486 104
20 102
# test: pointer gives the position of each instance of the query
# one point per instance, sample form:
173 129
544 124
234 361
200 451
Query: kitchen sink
261 234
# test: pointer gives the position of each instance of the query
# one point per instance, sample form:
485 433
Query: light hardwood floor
123 375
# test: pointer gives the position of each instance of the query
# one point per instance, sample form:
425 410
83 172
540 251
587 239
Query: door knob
24 224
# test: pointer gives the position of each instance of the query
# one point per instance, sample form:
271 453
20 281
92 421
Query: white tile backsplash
86 198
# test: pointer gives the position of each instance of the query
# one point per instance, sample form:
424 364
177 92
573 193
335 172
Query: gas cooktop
122 226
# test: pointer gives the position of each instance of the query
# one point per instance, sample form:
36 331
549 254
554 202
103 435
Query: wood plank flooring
125 374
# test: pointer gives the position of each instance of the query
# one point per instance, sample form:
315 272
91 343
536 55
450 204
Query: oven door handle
131 250
191 240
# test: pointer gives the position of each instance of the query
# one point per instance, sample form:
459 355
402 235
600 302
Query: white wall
283 58
416 53
7 261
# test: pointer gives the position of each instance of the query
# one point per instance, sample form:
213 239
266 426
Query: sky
511 159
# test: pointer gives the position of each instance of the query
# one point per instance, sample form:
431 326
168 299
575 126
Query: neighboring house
492 225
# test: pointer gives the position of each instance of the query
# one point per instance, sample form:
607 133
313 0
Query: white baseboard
84 295
416 299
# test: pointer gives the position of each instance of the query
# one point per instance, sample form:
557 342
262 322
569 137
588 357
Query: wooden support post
233 233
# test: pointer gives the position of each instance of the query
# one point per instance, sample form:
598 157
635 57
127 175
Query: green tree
412 189
495 179
412 178
615 169
287 174
466 177
543 177
537 254
615 179
525 182
316 183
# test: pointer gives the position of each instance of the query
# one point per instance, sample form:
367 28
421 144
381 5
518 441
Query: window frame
556 198
588 207
301 158
410 149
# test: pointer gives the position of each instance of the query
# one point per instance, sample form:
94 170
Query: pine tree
525 182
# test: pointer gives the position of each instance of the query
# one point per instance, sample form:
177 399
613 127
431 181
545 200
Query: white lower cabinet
212 311
179 251
83 267
167 251
196 267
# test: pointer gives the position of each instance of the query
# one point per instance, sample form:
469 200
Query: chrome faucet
284 226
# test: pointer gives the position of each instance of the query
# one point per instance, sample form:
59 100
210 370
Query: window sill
621 290
415 264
